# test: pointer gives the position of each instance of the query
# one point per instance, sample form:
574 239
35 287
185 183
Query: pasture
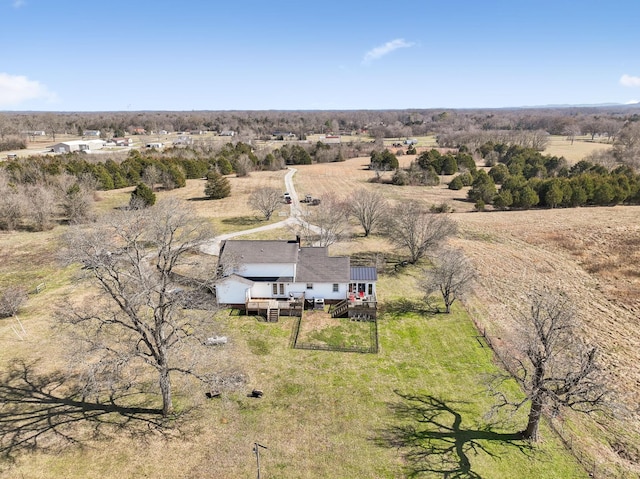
328 414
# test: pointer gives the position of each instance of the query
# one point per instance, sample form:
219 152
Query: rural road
295 219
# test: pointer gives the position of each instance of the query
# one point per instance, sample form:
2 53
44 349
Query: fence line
373 348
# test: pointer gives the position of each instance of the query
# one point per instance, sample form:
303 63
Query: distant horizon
526 107
340 56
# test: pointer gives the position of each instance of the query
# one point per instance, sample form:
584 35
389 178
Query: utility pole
256 449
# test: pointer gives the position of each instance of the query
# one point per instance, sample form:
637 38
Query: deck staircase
273 314
340 309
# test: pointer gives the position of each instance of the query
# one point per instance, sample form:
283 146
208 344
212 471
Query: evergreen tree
217 186
142 197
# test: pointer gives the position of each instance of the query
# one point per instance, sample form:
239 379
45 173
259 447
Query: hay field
581 147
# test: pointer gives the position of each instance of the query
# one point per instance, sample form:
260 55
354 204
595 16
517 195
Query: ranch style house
270 277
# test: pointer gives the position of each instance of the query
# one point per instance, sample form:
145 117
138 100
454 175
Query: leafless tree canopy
327 222
136 258
11 299
554 366
451 275
266 201
410 227
369 208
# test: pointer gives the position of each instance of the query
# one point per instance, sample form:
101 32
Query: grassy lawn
415 409
317 328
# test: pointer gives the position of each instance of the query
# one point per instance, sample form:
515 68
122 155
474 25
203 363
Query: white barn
78 145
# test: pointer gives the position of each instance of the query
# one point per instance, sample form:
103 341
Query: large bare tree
266 201
409 226
139 318
451 274
369 208
553 365
327 222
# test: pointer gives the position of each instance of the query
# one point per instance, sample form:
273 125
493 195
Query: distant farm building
227 133
34 133
155 145
121 141
330 139
183 140
78 145
91 133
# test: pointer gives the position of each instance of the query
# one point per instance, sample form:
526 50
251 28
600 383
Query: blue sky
296 55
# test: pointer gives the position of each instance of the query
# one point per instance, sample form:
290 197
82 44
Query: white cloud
15 89
628 80
632 102
379 52
19 3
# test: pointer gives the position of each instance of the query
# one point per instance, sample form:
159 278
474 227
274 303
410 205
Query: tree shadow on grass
244 221
433 440
398 308
45 413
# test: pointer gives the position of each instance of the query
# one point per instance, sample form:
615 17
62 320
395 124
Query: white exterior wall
322 290
231 291
263 290
96 144
267 270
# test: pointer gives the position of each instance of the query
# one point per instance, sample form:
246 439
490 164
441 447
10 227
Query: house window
282 289
275 288
309 285
336 287
370 289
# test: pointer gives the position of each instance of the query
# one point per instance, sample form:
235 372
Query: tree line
529 179
527 127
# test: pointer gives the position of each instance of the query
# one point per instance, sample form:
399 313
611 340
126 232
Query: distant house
138 131
330 139
182 140
91 133
283 135
275 273
227 133
122 141
78 145
410 141
34 133
155 145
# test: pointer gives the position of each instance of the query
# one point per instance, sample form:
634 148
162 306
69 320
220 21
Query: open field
333 414
581 147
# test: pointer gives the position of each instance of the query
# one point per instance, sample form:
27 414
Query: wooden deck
272 309
359 309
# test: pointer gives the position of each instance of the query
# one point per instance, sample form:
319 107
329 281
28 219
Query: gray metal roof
364 273
316 266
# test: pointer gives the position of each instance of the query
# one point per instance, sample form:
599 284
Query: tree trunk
535 413
165 389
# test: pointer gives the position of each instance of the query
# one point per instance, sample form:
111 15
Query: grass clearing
573 151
